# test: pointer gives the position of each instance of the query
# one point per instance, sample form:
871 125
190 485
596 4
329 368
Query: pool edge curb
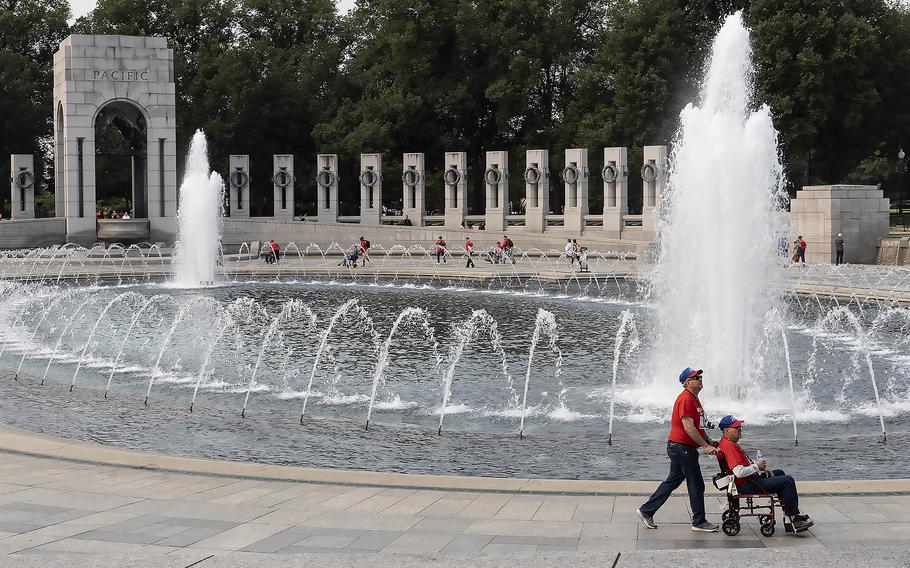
19 441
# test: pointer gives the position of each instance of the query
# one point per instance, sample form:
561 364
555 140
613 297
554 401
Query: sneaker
646 519
800 517
705 526
799 525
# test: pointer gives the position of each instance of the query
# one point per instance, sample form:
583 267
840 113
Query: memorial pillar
22 186
575 176
283 186
654 182
537 190
455 177
496 183
413 180
239 181
371 189
615 174
327 188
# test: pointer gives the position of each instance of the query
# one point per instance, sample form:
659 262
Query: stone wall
820 212
31 233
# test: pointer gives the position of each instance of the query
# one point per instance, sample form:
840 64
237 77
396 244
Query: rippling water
567 416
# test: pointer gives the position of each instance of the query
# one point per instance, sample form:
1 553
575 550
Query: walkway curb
18 441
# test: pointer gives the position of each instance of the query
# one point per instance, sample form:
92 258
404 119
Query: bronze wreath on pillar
610 173
533 175
411 177
239 178
282 178
649 173
492 176
325 178
451 176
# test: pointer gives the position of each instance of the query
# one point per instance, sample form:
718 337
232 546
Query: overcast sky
83 7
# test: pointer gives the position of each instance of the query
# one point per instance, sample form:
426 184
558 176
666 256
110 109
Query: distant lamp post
901 172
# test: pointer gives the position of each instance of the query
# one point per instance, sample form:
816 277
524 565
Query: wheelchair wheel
767 529
731 527
726 515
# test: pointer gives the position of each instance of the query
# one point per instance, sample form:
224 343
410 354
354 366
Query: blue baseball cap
729 422
688 373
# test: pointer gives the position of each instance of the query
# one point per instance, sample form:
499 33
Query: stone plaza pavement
137 509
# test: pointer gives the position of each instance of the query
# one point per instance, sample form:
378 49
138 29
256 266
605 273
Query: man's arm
745 470
692 431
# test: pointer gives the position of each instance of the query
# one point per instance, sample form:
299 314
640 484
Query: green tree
834 74
648 65
252 74
30 31
463 75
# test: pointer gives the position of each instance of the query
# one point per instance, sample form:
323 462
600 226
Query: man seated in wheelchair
755 477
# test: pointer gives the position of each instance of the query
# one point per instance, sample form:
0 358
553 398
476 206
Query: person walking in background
440 245
839 249
469 251
276 255
687 435
570 252
799 249
365 251
507 246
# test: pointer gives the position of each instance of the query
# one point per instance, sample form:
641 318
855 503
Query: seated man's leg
784 486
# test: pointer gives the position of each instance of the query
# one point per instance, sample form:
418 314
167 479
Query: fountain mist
199 218
721 218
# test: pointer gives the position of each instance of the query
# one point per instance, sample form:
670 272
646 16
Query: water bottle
759 456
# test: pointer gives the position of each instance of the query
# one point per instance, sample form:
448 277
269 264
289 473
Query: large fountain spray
721 218
199 217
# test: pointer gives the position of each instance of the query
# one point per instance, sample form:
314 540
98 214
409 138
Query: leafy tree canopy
263 77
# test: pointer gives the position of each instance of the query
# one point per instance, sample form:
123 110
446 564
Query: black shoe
647 520
705 526
802 525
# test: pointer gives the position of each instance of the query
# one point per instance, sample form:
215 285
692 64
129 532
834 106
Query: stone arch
128 121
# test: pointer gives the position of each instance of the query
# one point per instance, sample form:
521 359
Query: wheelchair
762 504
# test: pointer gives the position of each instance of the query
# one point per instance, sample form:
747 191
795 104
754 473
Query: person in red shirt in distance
752 478
687 435
440 245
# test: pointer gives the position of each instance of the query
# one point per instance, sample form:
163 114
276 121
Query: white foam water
200 218
720 220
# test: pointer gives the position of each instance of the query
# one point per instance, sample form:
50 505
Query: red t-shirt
440 246
687 404
735 456
274 246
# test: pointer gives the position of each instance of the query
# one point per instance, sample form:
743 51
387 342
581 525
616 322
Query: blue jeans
683 467
781 484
